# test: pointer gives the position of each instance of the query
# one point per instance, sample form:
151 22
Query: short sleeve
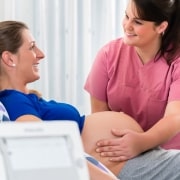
97 80
174 93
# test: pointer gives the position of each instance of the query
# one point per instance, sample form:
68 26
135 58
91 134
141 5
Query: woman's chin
36 77
129 41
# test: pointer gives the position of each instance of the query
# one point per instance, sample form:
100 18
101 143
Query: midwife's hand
127 145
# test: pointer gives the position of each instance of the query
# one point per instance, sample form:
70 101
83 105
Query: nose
39 53
127 24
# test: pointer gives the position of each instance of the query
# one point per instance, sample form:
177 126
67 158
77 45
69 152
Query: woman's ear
7 59
162 27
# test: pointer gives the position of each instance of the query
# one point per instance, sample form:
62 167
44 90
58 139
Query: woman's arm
131 143
26 118
98 106
166 128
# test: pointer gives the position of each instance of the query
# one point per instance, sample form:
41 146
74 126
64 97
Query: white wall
70 32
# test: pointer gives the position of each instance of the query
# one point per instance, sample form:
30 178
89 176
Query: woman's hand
127 145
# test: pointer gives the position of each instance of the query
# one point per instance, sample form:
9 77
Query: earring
13 65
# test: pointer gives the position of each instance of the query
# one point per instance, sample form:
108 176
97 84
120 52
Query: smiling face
138 32
27 59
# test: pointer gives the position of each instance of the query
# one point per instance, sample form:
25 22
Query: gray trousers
157 164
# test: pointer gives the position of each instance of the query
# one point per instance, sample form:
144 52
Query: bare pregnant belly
98 126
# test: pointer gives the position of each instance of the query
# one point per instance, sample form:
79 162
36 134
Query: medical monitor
48 150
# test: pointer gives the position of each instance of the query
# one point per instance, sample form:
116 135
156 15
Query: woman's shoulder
174 69
175 65
15 93
176 61
11 94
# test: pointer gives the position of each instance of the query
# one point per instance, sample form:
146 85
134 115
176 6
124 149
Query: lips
35 67
130 34
36 64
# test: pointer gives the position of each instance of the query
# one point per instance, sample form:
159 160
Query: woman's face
27 59
138 32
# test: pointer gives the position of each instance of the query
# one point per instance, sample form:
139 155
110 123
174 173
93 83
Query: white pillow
3 113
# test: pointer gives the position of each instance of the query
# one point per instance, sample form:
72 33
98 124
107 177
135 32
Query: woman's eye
32 47
138 22
126 16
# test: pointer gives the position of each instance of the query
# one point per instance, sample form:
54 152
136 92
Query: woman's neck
6 84
145 57
147 53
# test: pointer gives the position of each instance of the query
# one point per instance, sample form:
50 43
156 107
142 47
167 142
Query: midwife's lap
155 164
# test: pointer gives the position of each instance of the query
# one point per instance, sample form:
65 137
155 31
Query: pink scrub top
119 78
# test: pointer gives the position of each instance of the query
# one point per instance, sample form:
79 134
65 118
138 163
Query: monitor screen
46 152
